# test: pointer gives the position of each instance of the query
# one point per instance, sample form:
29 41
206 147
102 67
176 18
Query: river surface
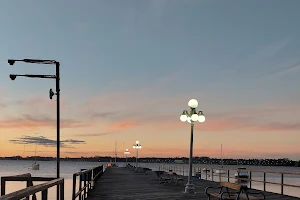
48 169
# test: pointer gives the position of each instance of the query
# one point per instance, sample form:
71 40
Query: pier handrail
25 193
90 176
250 179
22 177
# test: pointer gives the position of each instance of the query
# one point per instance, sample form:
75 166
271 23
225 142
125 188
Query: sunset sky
129 68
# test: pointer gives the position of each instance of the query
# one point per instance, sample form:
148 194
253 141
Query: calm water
48 169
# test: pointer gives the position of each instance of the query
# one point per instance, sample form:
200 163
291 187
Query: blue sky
151 57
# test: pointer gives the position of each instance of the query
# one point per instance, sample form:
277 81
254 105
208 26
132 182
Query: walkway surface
123 183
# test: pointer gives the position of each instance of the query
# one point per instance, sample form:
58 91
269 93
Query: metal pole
137 155
58 126
189 188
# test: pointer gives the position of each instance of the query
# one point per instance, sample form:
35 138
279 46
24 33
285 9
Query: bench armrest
256 193
210 187
229 193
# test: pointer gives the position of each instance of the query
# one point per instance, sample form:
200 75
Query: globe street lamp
126 152
191 117
137 146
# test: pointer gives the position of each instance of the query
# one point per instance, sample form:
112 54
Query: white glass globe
194 117
193 103
126 150
134 147
137 142
183 118
201 118
189 120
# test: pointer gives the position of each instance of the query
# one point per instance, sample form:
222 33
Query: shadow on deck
123 183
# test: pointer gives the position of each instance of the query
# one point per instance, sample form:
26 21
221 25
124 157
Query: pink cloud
121 126
27 121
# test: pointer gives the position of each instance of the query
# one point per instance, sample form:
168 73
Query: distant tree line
178 160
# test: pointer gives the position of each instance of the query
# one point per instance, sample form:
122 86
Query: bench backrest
233 186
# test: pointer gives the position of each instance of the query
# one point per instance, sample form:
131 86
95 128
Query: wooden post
74 187
212 174
228 179
282 183
62 190
264 181
27 185
2 186
80 189
250 177
45 194
85 177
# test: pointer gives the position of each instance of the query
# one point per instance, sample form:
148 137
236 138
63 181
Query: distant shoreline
183 160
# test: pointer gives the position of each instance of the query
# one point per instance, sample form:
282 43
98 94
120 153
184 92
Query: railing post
2 186
85 177
281 183
45 194
228 179
62 190
57 192
74 187
264 181
212 174
250 177
27 185
80 189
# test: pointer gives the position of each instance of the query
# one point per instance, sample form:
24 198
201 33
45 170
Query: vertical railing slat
282 183
264 181
45 194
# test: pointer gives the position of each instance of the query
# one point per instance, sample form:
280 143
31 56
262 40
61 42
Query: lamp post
137 146
51 94
191 117
126 152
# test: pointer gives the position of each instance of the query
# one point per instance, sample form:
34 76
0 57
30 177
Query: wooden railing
88 177
32 190
179 169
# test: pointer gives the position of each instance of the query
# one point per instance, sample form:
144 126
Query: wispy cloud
28 121
94 134
43 141
277 126
287 69
97 115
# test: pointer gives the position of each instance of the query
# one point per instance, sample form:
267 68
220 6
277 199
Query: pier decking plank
123 183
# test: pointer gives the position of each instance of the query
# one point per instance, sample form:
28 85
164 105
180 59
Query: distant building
178 161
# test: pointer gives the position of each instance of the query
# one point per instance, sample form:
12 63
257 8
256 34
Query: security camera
51 93
11 62
12 76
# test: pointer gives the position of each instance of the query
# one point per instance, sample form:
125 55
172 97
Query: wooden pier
124 183
118 183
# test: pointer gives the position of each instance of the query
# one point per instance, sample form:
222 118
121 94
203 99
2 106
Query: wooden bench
233 191
177 178
166 178
171 177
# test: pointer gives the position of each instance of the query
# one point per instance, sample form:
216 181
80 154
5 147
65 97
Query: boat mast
222 154
35 155
116 152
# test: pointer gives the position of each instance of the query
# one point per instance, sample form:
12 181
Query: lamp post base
189 188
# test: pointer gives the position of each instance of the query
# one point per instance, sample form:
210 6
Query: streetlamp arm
40 61
34 76
37 61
